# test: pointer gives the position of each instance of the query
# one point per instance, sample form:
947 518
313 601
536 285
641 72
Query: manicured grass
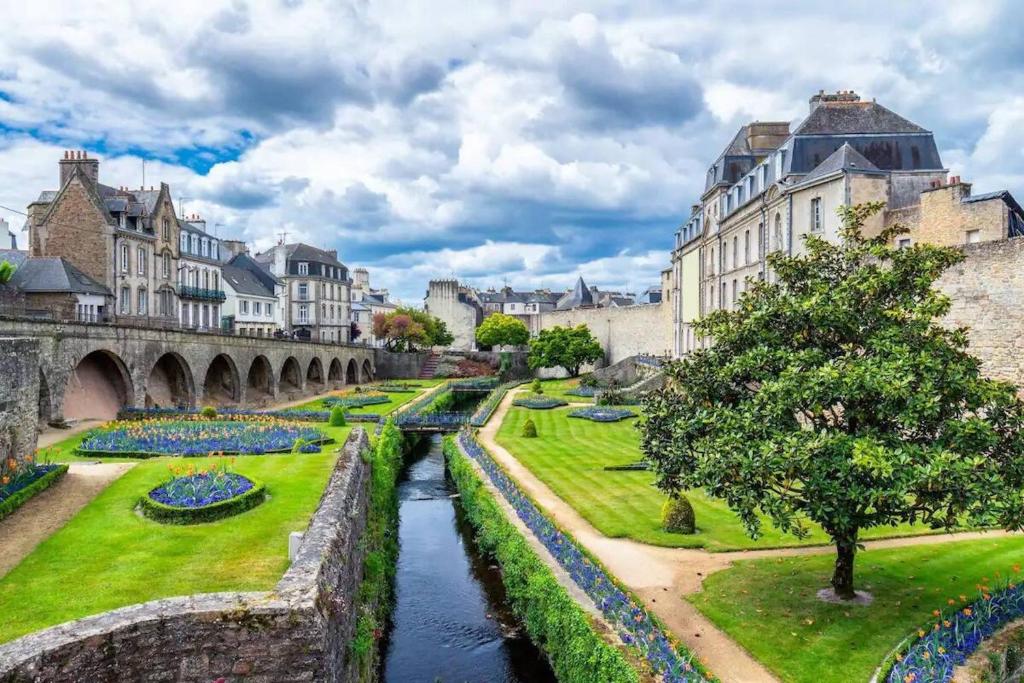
394 400
109 556
557 388
570 455
770 606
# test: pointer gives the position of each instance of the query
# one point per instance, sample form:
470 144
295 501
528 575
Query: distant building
366 303
253 305
199 275
11 241
317 290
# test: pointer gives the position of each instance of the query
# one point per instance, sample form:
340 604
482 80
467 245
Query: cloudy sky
524 142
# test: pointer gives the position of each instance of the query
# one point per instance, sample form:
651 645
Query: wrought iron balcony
201 293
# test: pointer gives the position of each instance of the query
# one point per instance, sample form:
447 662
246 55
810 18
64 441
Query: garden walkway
45 513
662 576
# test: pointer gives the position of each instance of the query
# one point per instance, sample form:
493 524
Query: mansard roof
833 118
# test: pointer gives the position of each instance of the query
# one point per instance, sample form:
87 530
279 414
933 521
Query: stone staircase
429 367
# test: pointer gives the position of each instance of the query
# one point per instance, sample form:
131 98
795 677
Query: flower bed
475 383
602 414
189 497
24 482
229 413
152 438
398 388
356 400
585 392
539 402
633 624
487 406
929 655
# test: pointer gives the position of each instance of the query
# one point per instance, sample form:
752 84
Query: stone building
54 288
770 188
199 275
317 295
253 304
460 309
124 239
366 303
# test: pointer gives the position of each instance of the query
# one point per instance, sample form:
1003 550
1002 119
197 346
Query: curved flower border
539 402
956 632
634 625
602 414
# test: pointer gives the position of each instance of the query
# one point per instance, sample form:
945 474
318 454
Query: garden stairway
429 367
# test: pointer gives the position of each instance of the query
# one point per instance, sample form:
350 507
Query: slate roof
245 282
831 118
846 158
256 269
304 252
49 275
579 296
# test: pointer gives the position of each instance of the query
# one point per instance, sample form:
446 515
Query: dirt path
662 576
45 513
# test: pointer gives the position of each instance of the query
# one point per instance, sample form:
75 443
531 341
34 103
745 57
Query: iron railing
201 293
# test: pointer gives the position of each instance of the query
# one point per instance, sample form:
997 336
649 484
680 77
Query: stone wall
461 315
300 631
987 291
623 332
19 392
399 365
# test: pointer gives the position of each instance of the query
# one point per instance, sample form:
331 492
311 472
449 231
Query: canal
451 622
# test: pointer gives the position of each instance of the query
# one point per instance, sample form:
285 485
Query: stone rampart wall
300 631
19 396
623 332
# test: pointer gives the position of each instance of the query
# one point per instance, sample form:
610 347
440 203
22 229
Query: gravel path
662 576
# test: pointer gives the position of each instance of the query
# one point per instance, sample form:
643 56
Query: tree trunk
842 577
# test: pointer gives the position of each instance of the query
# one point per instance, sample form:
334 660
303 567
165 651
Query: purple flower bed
202 489
200 437
956 634
539 402
602 414
288 414
356 400
632 622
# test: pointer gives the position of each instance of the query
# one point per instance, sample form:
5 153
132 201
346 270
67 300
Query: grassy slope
769 606
569 456
116 557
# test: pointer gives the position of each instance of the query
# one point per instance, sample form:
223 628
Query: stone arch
352 372
335 374
260 379
170 383
315 372
222 384
367 371
45 400
291 375
98 388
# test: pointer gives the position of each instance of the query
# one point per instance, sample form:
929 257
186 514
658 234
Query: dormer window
303 268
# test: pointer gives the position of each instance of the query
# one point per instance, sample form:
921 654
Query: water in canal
451 622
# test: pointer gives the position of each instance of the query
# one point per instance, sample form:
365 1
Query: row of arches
101 383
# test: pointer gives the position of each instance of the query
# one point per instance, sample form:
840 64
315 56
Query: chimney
840 96
196 221
333 253
78 159
234 247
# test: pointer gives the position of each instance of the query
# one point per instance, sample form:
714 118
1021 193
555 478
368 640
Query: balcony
201 294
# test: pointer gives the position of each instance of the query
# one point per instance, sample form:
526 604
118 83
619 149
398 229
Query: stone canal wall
19 396
300 631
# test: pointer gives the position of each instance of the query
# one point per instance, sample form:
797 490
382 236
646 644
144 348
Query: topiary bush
536 387
677 516
529 429
209 412
337 417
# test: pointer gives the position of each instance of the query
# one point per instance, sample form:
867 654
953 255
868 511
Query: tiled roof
245 282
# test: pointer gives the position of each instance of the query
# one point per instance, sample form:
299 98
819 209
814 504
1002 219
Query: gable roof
256 269
846 158
245 282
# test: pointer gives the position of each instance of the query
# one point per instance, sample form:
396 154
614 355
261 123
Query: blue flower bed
938 647
25 482
288 414
488 405
585 392
25 478
202 489
539 402
475 383
602 414
397 388
632 622
355 401
145 438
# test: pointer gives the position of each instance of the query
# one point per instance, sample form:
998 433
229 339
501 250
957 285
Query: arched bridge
91 371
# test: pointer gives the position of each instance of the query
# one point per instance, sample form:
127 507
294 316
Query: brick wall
944 219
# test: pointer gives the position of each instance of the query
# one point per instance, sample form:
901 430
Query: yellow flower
942 650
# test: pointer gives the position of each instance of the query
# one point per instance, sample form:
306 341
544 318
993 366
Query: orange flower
935 613
967 611
951 601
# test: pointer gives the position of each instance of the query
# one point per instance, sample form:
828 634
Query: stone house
770 188
199 275
253 304
317 299
126 240
366 303
53 288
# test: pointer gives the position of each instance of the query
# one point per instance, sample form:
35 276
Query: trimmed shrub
529 429
677 516
168 514
209 412
536 387
337 417
588 380
19 497
539 402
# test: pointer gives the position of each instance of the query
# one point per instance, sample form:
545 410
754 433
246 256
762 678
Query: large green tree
834 395
499 329
565 347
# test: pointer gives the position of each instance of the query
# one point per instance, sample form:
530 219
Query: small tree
499 329
564 347
406 329
834 395
337 417
536 386
6 271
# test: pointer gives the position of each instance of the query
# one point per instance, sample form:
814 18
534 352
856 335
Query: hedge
553 620
167 514
19 497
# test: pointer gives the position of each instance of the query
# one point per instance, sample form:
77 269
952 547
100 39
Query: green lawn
558 387
108 556
770 607
570 455
394 400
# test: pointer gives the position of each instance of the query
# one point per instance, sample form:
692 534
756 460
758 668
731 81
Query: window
256 308
303 313
214 250
216 280
332 311
904 243
816 214
165 230
323 313
270 309
245 307
973 236
206 316
167 265
712 260
303 291
303 268
183 242
733 293
735 251
778 232
126 301
746 247
143 301
193 244
721 301
141 258
206 279
214 316
124 258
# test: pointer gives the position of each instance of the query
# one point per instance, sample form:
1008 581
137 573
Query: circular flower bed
152 438
602 414
539 402
190 497
356 400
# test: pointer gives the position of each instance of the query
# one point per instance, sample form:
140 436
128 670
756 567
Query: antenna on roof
283 238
